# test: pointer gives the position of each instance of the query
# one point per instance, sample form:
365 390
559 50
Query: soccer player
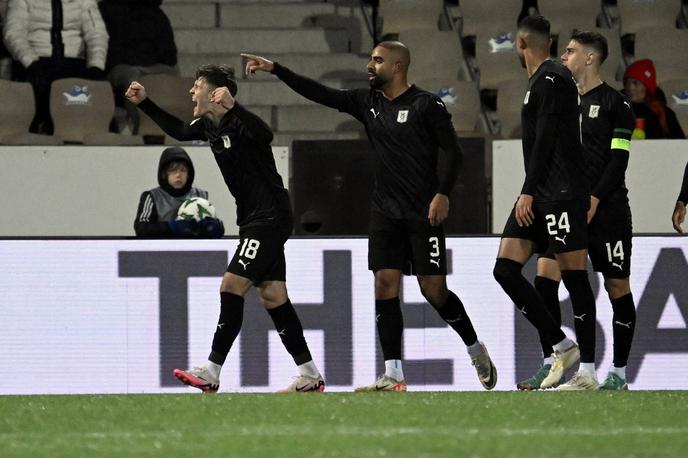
550 212
679 214
607 124
240 142
407 128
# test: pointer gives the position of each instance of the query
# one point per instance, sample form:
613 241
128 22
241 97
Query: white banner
115 316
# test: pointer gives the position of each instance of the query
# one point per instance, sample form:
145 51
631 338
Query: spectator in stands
52 40
649 102
140 44
157 212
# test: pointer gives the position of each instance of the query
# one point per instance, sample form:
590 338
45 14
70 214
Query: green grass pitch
413 424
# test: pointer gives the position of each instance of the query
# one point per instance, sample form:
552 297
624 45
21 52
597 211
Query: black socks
228 326
549 292
624 326
454 313
290 331
528 301
583 302
390 327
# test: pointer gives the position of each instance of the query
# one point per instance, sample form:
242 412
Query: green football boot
534 382
614 383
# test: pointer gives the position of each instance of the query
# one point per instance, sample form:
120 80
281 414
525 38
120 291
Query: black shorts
558 227
412 246
610 239
260 253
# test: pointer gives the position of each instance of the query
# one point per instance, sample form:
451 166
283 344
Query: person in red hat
649 102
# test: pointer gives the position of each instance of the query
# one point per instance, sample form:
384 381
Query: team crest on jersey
525 101
226 141
402 116
594 111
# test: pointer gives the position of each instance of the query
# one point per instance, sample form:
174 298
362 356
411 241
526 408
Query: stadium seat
668 49
401 15
436 54
612 70
477 15
171 93
495 56
461 99
676 92
16 114
640 14
82 110
563 16
510 95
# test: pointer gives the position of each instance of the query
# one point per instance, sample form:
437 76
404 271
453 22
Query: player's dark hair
536 25
592 40
218 76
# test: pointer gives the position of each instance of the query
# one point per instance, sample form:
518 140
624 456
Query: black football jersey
404 135
552 150
607 125
241 147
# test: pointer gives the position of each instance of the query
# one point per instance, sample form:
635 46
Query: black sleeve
256 127
172 125
439 123
622 122
683 195
550 101
545 139
146 223
340 99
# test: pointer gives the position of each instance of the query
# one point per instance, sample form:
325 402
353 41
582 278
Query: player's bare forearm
594 202
679 216
439 209
524 210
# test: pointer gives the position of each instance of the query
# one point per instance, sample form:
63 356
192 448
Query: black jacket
140 33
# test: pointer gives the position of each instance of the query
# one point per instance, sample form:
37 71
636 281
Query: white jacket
29 23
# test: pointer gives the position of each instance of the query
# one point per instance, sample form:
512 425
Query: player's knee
617 287
434 290
386 287
235 284
272 294
435 296
506 271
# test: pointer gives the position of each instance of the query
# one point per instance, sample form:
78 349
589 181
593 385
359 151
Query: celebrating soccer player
406 127
240 142
551 211
607 124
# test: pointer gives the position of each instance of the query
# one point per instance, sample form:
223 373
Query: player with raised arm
607 124
551 210
407 127
240 142
679 214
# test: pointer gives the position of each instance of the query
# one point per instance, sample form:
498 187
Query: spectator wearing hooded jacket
157 212
141 43
649 102
55 39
